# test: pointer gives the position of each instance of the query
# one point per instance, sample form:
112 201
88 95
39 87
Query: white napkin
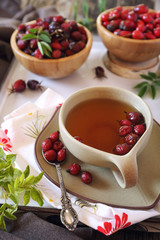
15 137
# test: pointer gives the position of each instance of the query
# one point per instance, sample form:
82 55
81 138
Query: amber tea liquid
95 121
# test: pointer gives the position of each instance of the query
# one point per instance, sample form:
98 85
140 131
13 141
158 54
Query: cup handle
126 172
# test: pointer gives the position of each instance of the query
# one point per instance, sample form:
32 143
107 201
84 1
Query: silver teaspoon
68 215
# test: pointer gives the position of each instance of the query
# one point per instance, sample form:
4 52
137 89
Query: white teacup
124 167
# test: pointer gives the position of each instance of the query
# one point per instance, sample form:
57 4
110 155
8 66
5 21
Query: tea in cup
93 114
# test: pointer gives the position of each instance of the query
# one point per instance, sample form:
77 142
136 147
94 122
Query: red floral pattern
5 141
119 224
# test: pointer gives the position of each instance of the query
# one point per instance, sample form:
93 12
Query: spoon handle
68 215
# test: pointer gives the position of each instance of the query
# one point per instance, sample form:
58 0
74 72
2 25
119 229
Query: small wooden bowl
52 68
127 49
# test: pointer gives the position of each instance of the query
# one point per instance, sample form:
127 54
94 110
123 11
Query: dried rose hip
52 37
139 129
135 117
124 130
54 136
50 155
18 86
34 84
61 155
46 144
86 177
131 139
139 21
74 169
122 149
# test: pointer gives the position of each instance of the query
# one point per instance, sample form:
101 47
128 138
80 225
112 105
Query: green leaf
140 84
75 10
44 37
29 180
36 196
29 36
2 223
3 207
27 171
157 82
46 33
146 77
47 53
152 74
26 197
16 183
9 215
33 30
85 9
14 198
40 48
38 178
153 91
46 45
22 177
142 91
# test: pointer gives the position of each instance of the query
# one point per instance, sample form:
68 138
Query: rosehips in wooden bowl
135 34
53 47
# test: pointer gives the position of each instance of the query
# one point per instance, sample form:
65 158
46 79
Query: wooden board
128 69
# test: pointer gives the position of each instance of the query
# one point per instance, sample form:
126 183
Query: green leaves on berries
150 85
43 38
13 183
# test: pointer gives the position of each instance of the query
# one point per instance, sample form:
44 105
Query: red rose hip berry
46 144
122 149
131 139
50 155
135 117
139 129
18 86
86 177
124 130
54 136
74 169
125 122
57 145
61 155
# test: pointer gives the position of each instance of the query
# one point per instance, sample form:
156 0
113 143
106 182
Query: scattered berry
86 177
18 86
74 169
34 85
99 71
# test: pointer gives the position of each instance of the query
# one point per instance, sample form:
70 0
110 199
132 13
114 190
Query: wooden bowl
52 68
127 49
